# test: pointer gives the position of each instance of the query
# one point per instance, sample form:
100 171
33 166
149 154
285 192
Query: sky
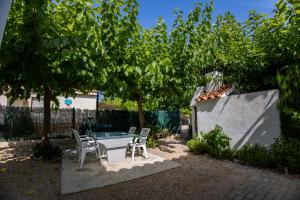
151 10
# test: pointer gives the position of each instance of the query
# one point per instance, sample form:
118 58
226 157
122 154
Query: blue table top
112 134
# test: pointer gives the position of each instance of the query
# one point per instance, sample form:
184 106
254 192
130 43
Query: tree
50 49
184 41
144 64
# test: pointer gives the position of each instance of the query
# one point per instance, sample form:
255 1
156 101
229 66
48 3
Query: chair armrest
88 144
86 138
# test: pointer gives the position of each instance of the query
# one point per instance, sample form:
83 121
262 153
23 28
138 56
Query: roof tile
214 94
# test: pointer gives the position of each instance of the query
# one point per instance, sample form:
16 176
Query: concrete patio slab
93 176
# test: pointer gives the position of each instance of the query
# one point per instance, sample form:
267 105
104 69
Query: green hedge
284 152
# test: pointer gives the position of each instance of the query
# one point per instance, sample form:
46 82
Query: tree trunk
140 111
47 116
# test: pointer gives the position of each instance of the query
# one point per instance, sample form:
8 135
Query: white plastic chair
132 130
141 143
86 145
83 138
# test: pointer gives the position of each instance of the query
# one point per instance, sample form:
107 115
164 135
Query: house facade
81 101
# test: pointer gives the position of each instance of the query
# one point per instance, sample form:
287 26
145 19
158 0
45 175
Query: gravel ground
199 177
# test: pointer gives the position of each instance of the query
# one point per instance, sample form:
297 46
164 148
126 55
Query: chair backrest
143 135
77 138
132 130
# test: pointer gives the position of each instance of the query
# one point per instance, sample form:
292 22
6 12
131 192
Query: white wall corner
4 10
198 92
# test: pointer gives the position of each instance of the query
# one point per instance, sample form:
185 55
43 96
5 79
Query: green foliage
196 145
156 134
186 111
289 102
217 139
121 104
152 141
255 155
43 151
47 50
214 143
285 152
46 47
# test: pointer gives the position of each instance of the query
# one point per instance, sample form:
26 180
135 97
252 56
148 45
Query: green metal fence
169 119
122 120
20 122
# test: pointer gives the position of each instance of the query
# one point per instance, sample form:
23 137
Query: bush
162 133
155 134
152 142
285 152
216 143
197 145
43 151
255 155
217 139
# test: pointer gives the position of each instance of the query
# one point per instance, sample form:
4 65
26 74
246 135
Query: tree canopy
60 47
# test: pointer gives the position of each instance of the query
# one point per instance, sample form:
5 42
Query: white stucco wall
4 10
245 118
3 100
81 101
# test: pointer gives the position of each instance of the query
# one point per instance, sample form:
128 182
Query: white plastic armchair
85 145
82 138
141 143
132 130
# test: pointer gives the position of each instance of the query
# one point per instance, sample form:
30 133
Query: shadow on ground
198 177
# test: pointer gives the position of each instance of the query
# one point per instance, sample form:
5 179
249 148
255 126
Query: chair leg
83 154
132 154
145 151
99 157
78 155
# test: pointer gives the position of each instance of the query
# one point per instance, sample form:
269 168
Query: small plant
217 139
43 151
155 134
255 155
152 142
285 152
195 145
216 143
162 133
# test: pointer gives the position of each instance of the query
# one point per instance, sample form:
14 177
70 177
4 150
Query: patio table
116 143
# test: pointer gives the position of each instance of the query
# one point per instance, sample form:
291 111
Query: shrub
217 139
155 134
162 133
43 151
228 154
152 142
285 152
216 143
255 155
197 145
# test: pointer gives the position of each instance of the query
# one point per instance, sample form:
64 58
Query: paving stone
268 186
